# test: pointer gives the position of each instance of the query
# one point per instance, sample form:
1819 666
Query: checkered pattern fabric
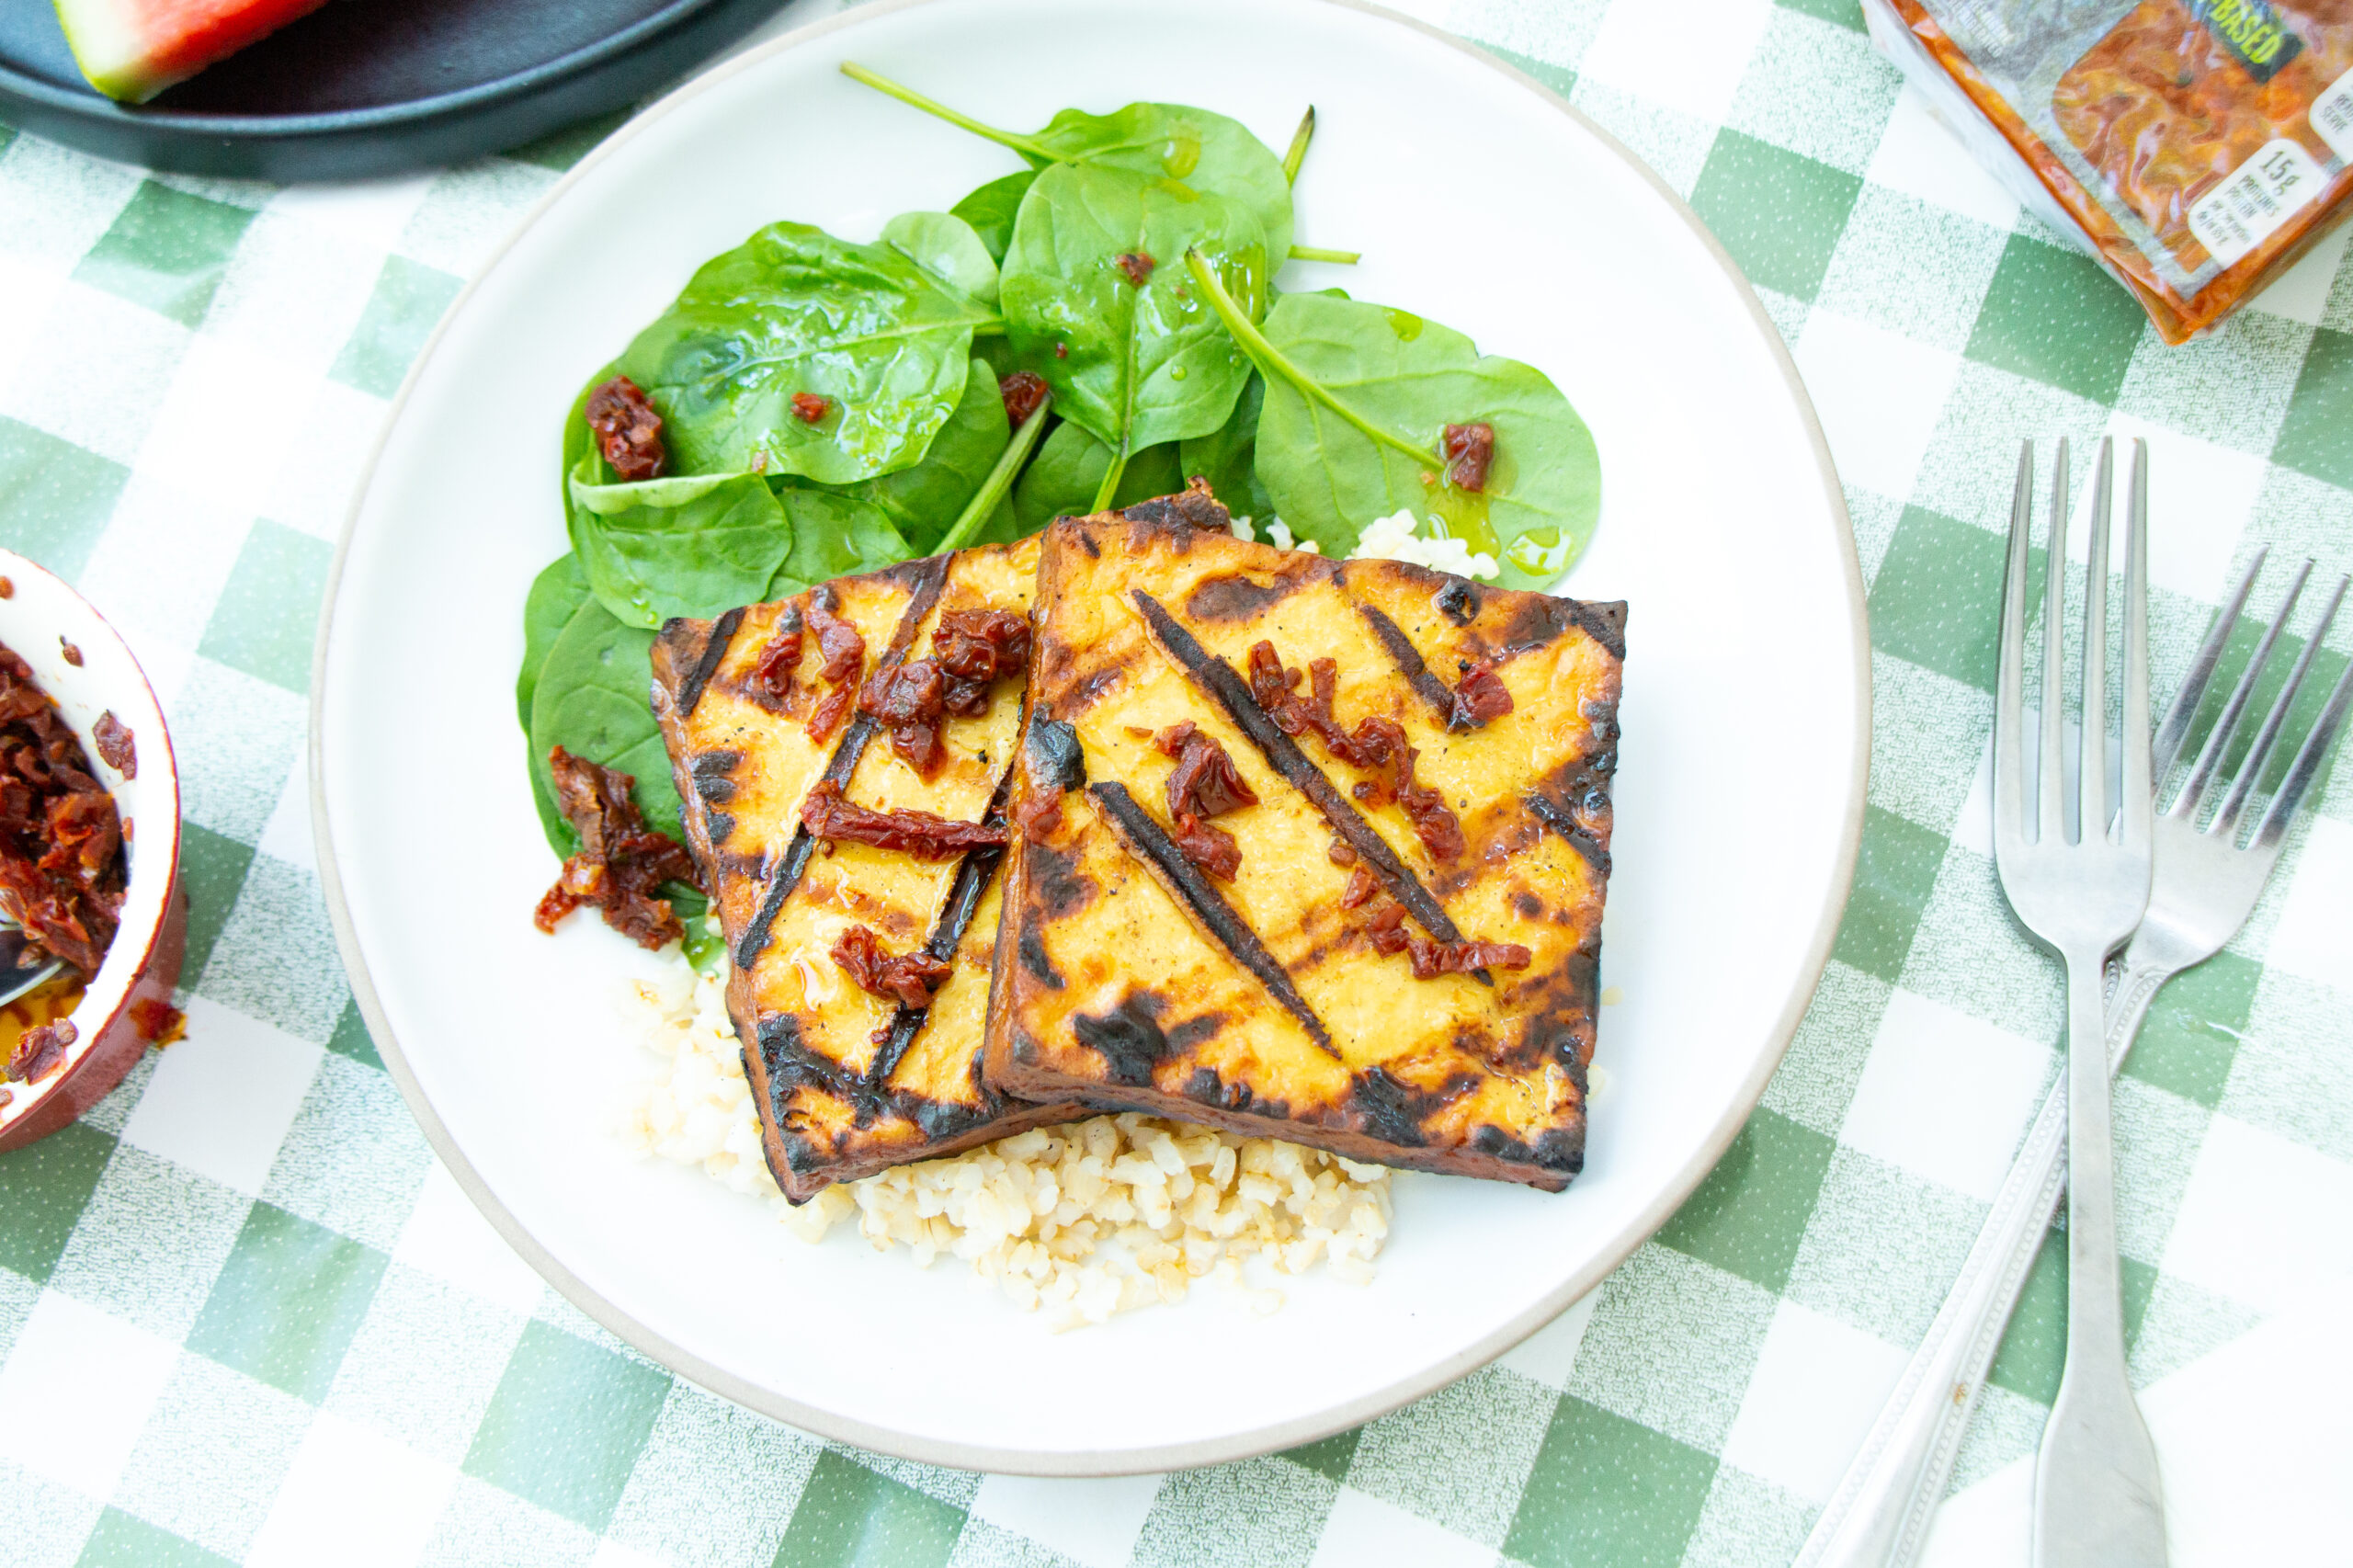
245 1317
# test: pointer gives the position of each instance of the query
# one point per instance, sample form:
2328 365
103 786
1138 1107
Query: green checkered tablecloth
244 1316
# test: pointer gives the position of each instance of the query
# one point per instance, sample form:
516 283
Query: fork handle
2097 1503
1879 1516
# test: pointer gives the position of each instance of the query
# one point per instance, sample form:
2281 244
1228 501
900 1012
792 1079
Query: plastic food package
2196 147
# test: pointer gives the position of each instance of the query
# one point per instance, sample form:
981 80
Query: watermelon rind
107 44
133 50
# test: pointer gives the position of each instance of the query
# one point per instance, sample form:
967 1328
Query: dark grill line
1568 826
1220 681
1410 664
973 879
1148 841
929 576
722 633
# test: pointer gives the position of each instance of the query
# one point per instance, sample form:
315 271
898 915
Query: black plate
374 86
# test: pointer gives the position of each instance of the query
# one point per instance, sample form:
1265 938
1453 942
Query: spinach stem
1111 477
1273 362
1317 253
1298 152
1000 479
1027 146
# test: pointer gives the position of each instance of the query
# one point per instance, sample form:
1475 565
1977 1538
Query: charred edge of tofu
1379 1121
805 1167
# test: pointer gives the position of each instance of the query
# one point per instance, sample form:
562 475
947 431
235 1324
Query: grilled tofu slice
1138 970
848 1081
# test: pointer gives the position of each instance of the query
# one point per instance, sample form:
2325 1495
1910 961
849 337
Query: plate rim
1198 1452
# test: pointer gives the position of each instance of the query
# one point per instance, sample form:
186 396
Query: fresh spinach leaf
991 209
555 594
792 311
1358 398
923 500
833 536
593 700
664 547
1068 473
1225 457
1208 151
945 246
702 947
1136 363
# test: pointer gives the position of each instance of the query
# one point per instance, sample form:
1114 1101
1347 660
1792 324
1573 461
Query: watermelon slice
131 50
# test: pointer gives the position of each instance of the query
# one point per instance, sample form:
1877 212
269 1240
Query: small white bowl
39 619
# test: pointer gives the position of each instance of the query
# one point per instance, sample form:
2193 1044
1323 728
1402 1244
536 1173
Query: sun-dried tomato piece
84 837
1377 745
158 1022
1479 696
827 717
1432 959
116 745
771 676
909 700
1359 891
830 816
911 979
1208 846
1385 930
40 1049
1205 783
1135 266
627 429
620 864
1023 391
976 648
841 652
1469 451
62 870
808 407
838 642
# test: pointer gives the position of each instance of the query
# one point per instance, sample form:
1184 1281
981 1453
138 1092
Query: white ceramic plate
1477 199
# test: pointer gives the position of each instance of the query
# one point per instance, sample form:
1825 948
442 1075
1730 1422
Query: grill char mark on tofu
931 575
974 876
1231 693
722 633
834 1102
1110 988
1149 843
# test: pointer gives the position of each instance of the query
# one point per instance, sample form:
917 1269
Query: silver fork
2096 1492
2203 888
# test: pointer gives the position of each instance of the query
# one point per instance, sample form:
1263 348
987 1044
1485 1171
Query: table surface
247 1317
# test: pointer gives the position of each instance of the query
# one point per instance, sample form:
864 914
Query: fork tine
2307 763
2138 808
2226 723
2009 687
2174 726
2051 827
2258 753
2091 779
